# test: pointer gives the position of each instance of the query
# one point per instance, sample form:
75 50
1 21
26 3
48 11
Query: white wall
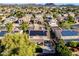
69 37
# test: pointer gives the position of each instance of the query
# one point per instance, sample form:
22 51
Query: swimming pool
69 33
40 33
2 33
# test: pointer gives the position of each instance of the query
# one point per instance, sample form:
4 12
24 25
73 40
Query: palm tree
9 27
17 45
24 26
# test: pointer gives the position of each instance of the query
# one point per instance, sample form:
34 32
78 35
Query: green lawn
66 24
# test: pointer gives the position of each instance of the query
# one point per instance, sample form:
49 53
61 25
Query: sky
76 2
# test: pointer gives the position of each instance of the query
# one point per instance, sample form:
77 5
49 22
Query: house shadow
46 53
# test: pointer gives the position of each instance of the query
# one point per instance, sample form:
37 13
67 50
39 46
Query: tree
55 15
0 26
44 17
33 15
9 27
0 18
72 44
24 26
39 49
17 45
18 14
62 50
70 19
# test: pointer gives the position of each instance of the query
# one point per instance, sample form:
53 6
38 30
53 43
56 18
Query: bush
77 44
9 27
72 44
62 50
38 49
17 45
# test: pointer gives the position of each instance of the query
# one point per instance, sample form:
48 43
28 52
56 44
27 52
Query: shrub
38 49
17 45
72 44
62 50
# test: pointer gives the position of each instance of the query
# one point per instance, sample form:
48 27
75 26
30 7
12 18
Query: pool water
69 33
2 33
40 33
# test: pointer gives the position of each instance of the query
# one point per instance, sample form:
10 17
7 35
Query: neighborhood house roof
77 18
49 17
75 26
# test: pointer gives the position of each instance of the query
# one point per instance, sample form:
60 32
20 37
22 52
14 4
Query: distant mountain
38 5
25 5
68 5
21 5
50 4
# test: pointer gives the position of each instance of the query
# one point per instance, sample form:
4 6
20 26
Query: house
65 15
37 33
71 14
60 18
38 36
39 17
31 26
77 20
10 19
36 26
26 18
53 23
16 25
48 18
75 26
17 30
67 35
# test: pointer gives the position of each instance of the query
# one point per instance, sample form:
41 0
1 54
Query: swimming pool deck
69 34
